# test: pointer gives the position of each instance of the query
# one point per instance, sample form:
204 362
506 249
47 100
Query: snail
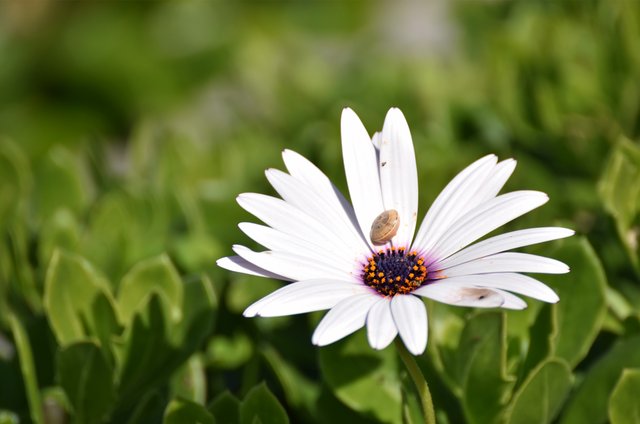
385 226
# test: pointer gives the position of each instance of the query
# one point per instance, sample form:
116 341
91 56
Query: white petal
304 296
302 169
410 317
238 264
487 217
343 319
292 266
287 218
498 178
511 301
278 241
381 330
507 262
300 195
461 295
517 283
504 242
361 169
398 174
450 203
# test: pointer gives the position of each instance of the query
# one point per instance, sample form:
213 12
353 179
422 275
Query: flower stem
419 381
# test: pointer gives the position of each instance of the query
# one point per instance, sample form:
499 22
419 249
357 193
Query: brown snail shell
385 226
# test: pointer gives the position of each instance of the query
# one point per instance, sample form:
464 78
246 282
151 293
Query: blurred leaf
364 379
138 223
189 382
60 231
181 411
260 405
229 352
87 378
28 369
624 407
226 408
146 351
8 417
155 275
55 405
480 367
153 348
15 177
60 184
588 403
582 306
198 314
149 409
541 396
619 188
71 288
300 392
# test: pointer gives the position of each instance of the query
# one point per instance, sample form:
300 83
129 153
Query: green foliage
365 380
623 405
541 396
126 132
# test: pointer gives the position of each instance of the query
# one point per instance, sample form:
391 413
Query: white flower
317 239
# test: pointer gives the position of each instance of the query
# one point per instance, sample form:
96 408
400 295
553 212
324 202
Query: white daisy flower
376 276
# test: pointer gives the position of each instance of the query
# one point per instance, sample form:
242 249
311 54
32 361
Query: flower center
394 271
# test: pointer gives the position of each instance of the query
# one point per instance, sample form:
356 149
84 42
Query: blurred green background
128 128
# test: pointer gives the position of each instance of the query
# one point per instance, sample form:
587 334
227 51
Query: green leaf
28 369
299 391
60 183
189 382
582 307
619 188
156 275
542 394
365 380
229 352
86 376
16 180
480 367
624 407
261 405
485 382
226 408
181 411
60 231
153 347
8 417
146 351
589 402
541 336
71 289
198 314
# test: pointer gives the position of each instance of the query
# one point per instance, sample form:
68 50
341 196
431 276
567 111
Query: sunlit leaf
72 286
156 275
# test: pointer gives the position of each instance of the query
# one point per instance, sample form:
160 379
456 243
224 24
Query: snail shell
385 226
